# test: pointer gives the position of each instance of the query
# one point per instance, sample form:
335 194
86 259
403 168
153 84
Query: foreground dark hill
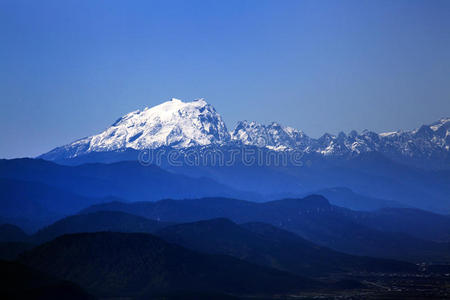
113 221
21 282
267 245
313 218
14 241
12 250
136 264
12 233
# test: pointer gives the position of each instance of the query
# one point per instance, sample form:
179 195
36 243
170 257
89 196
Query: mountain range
255 242
370 170
183 125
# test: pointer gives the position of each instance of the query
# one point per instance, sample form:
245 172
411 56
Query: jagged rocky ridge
182 125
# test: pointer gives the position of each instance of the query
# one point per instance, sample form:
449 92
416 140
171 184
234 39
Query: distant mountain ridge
182 125
424 141
36 192
270 246
127 179
314 219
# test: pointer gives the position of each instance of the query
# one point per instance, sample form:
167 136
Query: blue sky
68 69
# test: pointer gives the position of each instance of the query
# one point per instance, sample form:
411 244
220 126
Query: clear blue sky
68 69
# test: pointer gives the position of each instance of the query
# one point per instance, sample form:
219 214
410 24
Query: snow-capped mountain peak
173 123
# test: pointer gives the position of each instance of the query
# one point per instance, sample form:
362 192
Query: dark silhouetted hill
12 233
113 221
21 282
270 246
136 264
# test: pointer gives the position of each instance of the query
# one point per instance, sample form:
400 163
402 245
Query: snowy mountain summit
182 125
173 123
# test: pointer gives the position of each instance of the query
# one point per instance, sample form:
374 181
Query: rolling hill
135 264
267 245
